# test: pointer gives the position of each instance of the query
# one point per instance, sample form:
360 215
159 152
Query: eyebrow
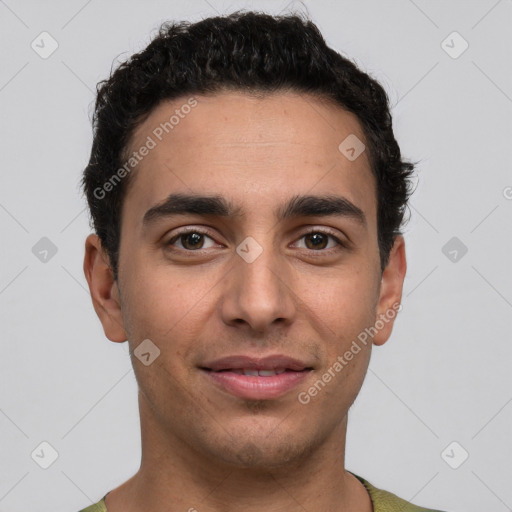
218 206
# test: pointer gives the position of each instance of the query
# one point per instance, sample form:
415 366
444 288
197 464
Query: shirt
382 501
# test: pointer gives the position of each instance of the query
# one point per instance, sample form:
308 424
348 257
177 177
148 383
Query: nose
258 294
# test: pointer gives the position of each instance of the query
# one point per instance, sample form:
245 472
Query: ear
103 288
390 291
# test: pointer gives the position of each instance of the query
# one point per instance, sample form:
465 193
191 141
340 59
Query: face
252 295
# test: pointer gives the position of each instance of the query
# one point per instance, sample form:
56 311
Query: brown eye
317 240
190 240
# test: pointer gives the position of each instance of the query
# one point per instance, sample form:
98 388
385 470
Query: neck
173 476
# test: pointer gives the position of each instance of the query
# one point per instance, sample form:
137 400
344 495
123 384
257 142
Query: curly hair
244 51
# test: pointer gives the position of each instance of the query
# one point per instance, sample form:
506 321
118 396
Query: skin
203 448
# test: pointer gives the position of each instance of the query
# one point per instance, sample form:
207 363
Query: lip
271 362
219 373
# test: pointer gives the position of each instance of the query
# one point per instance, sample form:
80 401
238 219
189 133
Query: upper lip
240 362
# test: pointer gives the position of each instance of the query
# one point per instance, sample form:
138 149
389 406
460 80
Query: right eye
190 240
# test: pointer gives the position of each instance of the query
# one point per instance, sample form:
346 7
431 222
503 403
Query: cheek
158 299
172 313
344 301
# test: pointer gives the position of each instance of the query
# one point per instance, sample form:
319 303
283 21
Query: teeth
252 373
261 373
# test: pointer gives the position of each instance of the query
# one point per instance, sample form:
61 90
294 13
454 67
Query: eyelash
205 233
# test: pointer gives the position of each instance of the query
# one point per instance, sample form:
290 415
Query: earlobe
390 291
103 288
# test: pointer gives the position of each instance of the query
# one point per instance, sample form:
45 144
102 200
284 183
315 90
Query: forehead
249 149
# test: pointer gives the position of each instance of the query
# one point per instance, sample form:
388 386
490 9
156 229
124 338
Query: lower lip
257 388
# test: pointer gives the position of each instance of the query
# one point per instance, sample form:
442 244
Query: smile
255 373
250 384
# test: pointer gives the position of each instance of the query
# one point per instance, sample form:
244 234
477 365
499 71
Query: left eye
316 240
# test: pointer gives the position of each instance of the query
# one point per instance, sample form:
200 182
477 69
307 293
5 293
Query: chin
263 441
264 450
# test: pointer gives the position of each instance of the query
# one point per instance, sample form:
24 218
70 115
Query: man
247 193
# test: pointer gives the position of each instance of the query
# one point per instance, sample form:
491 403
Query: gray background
444 376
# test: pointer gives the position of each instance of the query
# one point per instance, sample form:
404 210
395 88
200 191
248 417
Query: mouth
256 372
256 378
